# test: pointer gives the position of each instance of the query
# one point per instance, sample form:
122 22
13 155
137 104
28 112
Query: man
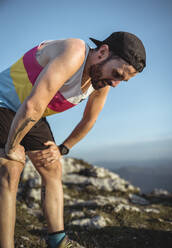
49 79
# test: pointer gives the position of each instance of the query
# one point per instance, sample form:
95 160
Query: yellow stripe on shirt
20 79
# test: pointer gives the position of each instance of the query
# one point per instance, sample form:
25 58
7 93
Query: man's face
110 72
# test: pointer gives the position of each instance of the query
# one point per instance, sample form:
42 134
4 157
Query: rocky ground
101 210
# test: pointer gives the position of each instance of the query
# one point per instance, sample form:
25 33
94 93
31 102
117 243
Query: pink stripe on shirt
33 68
59 103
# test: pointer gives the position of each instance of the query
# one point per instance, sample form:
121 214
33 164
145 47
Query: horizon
135 152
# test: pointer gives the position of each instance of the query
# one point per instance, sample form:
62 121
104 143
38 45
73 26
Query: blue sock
54 239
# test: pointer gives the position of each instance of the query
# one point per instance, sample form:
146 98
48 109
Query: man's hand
48 156
16 154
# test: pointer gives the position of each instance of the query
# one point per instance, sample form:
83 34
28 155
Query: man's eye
109 82
118 75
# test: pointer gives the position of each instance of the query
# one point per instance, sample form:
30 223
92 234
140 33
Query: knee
52 172
10 172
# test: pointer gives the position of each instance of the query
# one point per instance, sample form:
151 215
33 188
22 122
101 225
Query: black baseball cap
127 46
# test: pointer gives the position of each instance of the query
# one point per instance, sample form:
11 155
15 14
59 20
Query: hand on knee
16 154
46 157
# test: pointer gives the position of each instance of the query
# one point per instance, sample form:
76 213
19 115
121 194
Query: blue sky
136 122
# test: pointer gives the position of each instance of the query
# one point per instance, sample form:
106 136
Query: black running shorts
33 140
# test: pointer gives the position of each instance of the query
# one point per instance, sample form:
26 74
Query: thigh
2 155
33 140
6 118
37 136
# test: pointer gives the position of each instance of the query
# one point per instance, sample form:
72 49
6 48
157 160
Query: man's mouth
105 82
101 83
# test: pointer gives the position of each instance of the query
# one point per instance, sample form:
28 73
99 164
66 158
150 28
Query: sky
136 122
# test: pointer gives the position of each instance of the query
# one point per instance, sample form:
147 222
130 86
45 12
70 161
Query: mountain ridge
101 210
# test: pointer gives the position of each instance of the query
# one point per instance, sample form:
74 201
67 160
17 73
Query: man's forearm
24 120
78 133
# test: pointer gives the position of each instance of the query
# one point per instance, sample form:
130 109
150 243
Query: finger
50 163
42 153
46 160
49 143
48 152
49 157
46 155
17 159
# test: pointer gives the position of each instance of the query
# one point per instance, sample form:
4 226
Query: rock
95 222
106 184
81 222
82 203
138 200
23 206
98 201
95 198
99 222
71 165
161 192
98 172
34 182
67 197
152 210
104 173
34 212
77 214
35 194
29 172
25 238
101 178
121 207
75 179
103 200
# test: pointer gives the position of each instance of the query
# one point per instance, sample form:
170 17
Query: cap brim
97 42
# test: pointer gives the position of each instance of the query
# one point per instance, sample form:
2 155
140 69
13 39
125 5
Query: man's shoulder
75 45
70 43
75 41
73 49
49 50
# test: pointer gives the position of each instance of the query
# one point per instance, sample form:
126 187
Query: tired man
49 79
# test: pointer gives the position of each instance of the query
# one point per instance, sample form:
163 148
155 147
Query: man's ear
103 52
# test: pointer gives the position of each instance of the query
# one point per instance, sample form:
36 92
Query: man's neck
86 74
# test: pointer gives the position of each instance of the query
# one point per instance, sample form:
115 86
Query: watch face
63 150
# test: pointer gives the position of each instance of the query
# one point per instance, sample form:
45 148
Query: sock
55 238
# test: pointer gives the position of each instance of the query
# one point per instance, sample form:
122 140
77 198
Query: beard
95 72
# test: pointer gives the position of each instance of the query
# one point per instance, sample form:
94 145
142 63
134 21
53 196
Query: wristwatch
63 149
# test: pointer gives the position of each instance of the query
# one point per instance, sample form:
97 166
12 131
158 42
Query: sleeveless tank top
17 81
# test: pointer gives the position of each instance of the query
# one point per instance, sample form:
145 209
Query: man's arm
50 80
94 105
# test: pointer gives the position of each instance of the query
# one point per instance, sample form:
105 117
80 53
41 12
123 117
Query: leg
10 172
52 193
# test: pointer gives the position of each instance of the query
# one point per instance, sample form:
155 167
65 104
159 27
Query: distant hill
148 178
